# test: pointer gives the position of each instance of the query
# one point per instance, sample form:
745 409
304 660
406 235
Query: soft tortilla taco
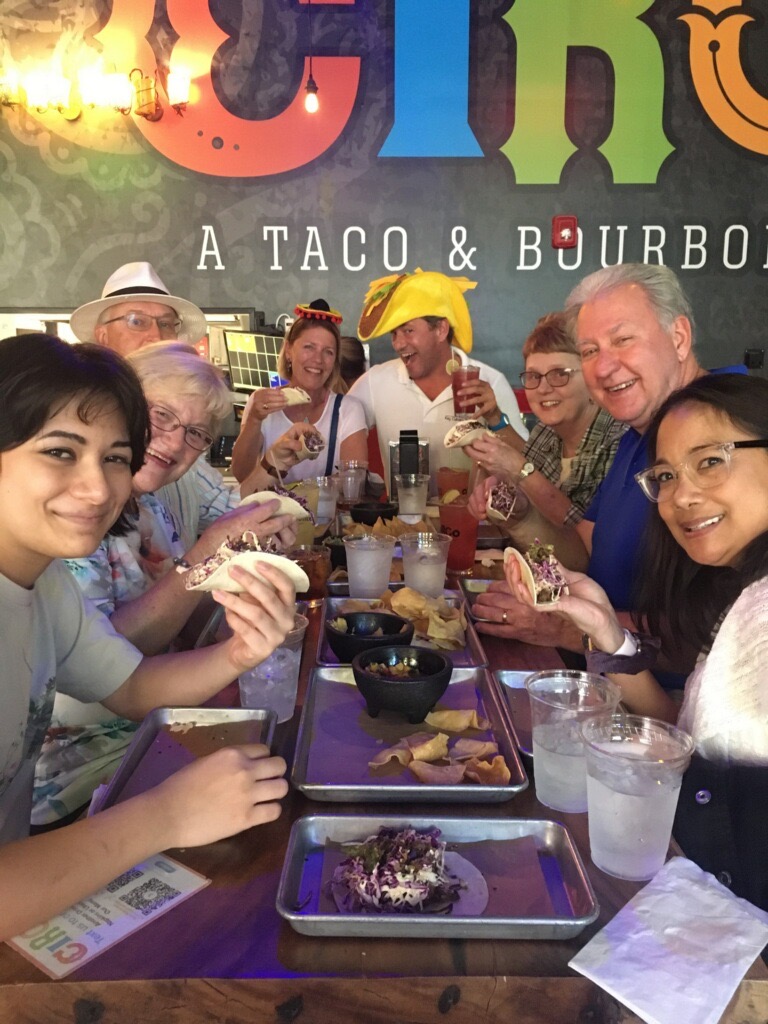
540 573
465 432
501 502
295 395
247 551
289 505
312 443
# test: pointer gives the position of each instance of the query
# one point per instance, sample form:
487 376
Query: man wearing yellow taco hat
428 318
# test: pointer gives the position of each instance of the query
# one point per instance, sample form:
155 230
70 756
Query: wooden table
226 955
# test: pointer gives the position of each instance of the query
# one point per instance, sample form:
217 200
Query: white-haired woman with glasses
130 576
705 581
571 447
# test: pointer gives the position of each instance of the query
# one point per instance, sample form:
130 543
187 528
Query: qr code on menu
124 879
150 896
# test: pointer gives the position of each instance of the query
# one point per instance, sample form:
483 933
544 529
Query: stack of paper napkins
676 953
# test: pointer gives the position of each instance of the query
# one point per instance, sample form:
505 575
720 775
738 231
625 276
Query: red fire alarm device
564 232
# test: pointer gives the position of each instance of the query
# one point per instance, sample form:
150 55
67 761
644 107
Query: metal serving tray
537 885
470 655
513 687
337 738
470 588
154 753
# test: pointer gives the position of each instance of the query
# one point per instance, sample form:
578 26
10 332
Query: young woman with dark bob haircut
705 583
73 426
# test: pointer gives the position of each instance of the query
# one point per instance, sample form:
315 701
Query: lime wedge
450 496
452 366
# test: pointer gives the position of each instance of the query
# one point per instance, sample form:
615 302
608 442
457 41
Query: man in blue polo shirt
634 331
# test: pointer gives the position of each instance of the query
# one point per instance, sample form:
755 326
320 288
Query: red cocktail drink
459 377
461 526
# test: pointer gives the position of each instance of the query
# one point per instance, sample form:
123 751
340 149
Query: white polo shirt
393 402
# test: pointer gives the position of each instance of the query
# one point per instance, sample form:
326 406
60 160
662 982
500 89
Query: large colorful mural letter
718 77
431 80
208 138
544 30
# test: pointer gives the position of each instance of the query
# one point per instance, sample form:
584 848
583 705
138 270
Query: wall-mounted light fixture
311 102
45 87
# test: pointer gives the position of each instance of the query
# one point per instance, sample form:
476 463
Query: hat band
138 291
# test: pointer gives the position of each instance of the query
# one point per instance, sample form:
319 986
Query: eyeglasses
164 419
705 467
168 326
556 378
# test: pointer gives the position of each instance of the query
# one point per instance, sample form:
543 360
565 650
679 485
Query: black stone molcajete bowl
360 629
414 696
367 512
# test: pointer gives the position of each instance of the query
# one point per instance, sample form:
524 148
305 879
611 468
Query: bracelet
637 653
269 467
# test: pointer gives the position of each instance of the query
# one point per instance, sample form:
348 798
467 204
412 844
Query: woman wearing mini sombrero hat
310 361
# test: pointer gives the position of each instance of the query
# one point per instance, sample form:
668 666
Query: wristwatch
503 422
527 469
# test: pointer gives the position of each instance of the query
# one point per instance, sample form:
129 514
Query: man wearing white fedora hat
136 309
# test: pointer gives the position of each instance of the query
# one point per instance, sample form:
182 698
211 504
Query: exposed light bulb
311 102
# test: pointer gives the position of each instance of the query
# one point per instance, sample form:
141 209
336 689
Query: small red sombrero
318 310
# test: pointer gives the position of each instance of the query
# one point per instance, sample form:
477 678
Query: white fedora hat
138 281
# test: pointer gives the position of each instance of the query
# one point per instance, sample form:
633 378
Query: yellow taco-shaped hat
392 301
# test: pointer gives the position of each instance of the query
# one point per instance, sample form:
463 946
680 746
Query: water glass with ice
369 562
412 494
635 769
274 683
328 493
425 557
561 699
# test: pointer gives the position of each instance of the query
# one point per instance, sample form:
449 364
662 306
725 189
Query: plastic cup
561 700
458 523
452 480
274 683
425 558
327 496
635 769
459 377
352 475
369 562
412 494
316 563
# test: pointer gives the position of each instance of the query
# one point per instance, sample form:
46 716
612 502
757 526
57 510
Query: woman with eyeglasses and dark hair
130 577
73 428
705 581
570 449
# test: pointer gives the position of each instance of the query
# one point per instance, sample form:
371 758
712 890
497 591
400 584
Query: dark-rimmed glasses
164 419
556 378
167 325
705 467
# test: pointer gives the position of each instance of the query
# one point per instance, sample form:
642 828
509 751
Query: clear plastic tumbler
561 699
274 683
424 561
635 769
412 495
369 562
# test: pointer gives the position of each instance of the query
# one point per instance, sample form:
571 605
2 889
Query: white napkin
675 954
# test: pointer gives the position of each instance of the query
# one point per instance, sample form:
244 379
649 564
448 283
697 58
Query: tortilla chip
425 746
400 752
437 775
495 773
409 603
456 721
464 748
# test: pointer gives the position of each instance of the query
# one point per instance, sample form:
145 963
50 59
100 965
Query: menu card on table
84 930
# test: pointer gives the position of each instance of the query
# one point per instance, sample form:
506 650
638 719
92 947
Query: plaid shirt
590 463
